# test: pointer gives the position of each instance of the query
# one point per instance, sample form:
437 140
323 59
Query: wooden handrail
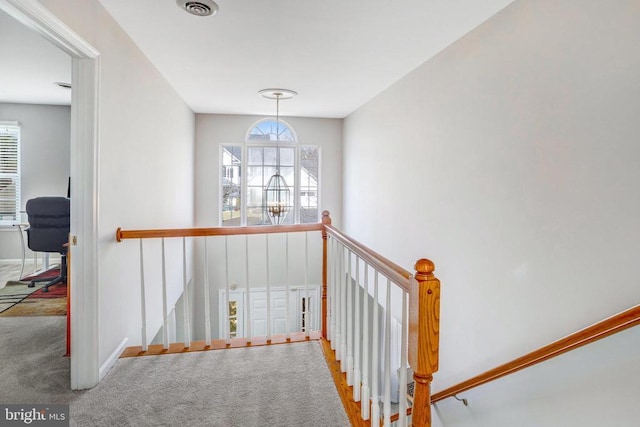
395 417
603 329
392 271
215 231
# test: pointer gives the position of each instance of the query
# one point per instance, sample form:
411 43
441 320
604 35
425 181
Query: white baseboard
111 360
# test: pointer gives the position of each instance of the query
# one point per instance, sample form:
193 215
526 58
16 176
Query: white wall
146 169
44 151
511 160
590 386
213 130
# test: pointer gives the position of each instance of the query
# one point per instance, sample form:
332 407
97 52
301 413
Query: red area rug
44 275
59 290
38 303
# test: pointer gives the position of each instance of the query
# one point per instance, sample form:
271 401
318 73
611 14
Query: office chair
49 220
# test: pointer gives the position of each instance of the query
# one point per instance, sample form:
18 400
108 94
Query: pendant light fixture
277 195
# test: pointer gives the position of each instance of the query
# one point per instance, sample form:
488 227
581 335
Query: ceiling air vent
63 85
199 7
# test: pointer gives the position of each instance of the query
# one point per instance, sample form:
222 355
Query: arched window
269 146
269 129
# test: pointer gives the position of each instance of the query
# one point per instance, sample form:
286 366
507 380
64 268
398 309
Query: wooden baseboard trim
175 348
345 391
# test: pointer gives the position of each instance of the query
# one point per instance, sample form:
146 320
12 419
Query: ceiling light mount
198 7
273 93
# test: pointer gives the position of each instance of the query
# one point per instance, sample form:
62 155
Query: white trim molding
84 181
113 358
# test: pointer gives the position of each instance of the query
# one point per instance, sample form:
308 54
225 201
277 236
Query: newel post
326 220
424 333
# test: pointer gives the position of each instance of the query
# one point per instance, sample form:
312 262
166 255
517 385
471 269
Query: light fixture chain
277 134
277 196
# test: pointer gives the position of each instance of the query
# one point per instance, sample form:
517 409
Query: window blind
9 172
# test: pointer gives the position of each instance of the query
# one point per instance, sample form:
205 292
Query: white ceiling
337 54
29 66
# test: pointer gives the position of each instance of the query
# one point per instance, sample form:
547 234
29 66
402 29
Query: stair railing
205 234
360 312
360 289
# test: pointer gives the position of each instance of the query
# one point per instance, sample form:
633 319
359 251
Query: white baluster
207 306
387 358
356 337
227 315
286 286
268 291
343 313
375 357
307 310
332 292
165 331
185 296
349 321
143 302
335 344
402 407
248 299
365 406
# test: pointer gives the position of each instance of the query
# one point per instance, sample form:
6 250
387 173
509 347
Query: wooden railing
347 331
614 324
219 231
184 233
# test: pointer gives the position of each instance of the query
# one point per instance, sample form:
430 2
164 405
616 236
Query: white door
288 313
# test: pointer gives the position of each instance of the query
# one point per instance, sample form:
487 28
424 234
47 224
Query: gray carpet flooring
281 385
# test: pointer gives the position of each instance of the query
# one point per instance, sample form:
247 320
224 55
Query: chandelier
277 195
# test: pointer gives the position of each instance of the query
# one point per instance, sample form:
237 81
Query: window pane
255 175
267 173
254 196
268 130
233 308
255 155
254 205
270 156
255 216
288 175
287 156
236 154
309 162
309 166
287 135
231 185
